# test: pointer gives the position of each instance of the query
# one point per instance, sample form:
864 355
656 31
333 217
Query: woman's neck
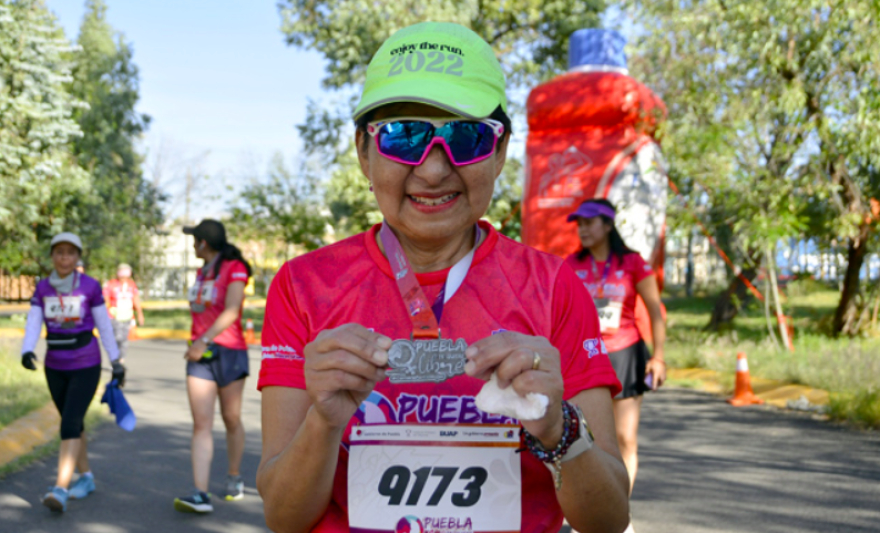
64 274
600 251
431 257
210 256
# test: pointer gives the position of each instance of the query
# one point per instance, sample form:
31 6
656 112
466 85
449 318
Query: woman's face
435 201
592 231
200 247
64 257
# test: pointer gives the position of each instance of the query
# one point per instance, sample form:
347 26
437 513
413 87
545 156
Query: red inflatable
591 135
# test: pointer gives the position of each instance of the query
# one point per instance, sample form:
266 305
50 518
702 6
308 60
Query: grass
848 368
21 390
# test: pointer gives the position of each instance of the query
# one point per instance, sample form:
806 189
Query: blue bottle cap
594 46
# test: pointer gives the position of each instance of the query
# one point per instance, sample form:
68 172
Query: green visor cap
437 63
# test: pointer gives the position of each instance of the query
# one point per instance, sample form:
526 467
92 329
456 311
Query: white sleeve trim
32 329
105 330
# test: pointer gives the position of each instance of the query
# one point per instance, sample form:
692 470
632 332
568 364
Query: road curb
773 392
28 432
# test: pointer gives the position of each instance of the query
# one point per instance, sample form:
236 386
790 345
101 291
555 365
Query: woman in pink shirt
614 275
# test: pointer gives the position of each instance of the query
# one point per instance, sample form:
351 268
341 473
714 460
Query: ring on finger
536 361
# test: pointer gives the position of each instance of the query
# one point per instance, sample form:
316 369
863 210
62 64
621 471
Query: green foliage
21 390
280 209
122 209
774 115
39 180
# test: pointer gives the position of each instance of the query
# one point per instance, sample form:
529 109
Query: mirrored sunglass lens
468 140
405 140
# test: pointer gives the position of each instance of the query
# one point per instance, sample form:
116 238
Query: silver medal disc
198 308
424 361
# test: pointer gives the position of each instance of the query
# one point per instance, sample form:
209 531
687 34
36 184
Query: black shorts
225 366
629 364
72 392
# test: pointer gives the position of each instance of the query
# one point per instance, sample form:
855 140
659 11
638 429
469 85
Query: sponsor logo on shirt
619 274
611 290
280 352
581 274
594 347
647 268
239 275
424 409
497 331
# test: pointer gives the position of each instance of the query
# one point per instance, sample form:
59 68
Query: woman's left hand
512 356
196 351
656 367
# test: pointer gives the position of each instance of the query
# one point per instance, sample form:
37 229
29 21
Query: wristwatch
585 439
206 340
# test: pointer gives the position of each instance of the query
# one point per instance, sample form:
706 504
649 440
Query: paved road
705 468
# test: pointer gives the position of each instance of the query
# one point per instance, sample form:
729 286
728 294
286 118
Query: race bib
124 309
70 311
609 314
442 479
207 292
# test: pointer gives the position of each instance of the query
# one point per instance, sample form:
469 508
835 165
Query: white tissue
507 402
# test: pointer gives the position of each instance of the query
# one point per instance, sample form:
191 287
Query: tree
756 92
39 180
123 208
530 38
281 208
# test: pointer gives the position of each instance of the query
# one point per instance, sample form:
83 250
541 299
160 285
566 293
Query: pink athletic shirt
620 286
213 296
510 287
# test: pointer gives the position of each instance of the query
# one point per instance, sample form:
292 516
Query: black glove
118 373
29 360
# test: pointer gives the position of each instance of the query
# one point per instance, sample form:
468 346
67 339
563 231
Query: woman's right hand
342 367
29 360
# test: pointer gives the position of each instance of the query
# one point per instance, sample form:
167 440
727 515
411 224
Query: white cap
67 237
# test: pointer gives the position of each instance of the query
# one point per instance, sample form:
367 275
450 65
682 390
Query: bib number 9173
396 480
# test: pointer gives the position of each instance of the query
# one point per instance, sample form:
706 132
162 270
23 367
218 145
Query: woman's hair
615 241
366 118
230 252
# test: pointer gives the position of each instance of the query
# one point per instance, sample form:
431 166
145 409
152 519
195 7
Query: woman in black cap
217 359
614 275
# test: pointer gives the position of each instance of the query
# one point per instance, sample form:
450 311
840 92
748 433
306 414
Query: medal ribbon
600 290
61 300
425 319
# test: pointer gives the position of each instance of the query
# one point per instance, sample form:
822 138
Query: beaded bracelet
570 432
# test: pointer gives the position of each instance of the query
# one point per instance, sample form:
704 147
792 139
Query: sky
223 89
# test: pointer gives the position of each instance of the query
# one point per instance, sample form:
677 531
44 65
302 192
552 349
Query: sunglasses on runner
409 140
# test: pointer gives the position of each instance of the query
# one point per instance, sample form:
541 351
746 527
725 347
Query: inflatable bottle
591 135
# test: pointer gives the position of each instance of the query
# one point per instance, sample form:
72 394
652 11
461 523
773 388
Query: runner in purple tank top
71 305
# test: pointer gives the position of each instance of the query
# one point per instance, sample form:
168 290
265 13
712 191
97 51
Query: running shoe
197 502
82 487
55 499
234 488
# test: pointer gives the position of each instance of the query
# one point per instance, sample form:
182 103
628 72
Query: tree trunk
846 314
689 273
728 303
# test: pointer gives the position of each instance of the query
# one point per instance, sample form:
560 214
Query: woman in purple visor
71 305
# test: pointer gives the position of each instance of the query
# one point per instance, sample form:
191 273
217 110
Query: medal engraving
424 361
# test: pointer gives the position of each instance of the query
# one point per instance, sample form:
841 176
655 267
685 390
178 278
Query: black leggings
72 391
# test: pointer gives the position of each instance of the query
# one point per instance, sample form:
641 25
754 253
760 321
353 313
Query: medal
425 357
425 360
197 308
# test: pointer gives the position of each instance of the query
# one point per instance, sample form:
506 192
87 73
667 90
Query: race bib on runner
609 314
124 309
72 309
438 479
207 292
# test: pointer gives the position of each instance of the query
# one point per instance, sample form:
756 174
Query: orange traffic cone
132 331
743 394
249 336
